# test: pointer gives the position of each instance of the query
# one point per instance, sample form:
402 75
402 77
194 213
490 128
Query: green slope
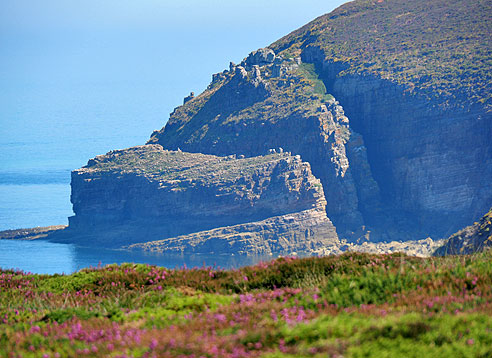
354 305
441 49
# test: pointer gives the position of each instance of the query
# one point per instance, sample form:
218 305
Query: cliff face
306 231
473 238
148 193
403 152
280 104
410 153
414 78
431 163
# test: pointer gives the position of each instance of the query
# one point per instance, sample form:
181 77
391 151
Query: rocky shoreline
418 248
31 233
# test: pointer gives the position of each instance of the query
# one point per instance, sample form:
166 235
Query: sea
44 257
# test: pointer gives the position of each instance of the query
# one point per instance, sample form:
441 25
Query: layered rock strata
147 193
433 164
301 232
415 79
271 102
473 238
408 156
410 153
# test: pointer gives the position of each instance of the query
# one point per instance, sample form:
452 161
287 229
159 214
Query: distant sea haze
30 199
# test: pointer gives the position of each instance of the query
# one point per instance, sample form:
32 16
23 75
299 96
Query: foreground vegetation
355 305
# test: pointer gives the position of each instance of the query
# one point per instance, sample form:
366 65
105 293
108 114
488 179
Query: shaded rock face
263 56
414 77
473 238
432 164
148 193
306 231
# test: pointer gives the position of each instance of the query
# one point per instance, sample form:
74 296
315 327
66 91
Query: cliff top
262 89
166 165
439 48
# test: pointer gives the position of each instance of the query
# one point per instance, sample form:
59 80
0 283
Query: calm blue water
44 257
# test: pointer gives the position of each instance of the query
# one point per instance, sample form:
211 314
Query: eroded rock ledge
471 239
263 204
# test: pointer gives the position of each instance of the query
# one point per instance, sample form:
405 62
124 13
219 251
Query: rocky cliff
264 204
414 78
271 102
405 150
388 102
473 238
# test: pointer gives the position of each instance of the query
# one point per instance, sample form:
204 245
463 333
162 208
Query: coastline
35 233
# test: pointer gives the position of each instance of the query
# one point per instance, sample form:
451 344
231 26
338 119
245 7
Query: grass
440 49
355 305
309 72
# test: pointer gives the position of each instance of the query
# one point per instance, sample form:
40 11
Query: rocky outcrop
189 98
236 116
419 248
261 57
473 238
147 193
301 232
31 233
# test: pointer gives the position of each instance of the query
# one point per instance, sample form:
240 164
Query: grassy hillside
230 106
439 48
355 305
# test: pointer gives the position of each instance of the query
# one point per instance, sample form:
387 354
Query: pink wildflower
153 343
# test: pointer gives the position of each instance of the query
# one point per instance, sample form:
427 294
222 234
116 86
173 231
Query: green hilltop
441 49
